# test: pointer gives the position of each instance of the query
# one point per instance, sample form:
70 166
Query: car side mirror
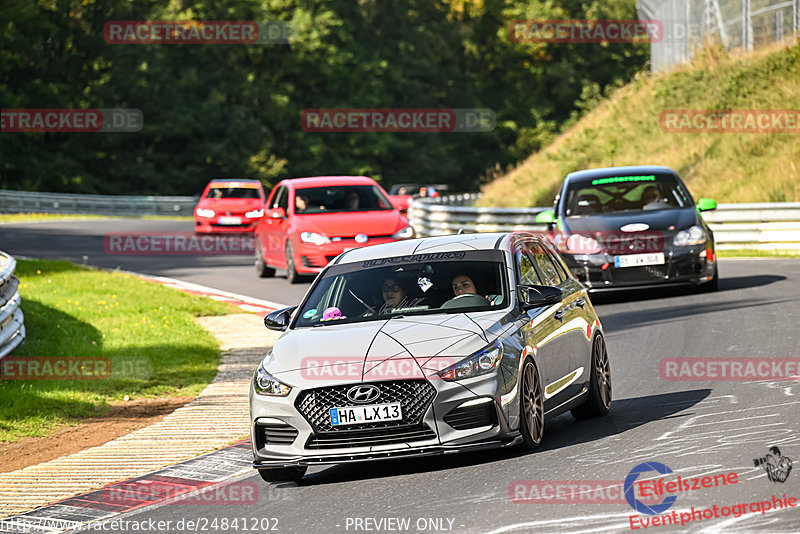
545 217
276 213
279 320
535 296
706 204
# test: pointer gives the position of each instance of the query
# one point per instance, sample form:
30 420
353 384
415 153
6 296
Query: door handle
581 302
560 314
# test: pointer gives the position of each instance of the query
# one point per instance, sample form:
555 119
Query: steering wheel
467 300
370 308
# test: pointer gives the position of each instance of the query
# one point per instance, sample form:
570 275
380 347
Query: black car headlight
266 384
691 236
482 362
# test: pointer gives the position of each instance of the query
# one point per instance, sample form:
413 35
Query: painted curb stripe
203 471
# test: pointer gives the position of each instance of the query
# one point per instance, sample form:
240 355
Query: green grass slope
625 129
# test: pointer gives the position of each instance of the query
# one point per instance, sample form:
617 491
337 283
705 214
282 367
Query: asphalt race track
82 241
696 428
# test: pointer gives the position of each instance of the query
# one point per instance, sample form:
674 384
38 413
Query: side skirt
577 400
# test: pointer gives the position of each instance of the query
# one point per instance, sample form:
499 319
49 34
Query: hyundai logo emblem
362 394
361 238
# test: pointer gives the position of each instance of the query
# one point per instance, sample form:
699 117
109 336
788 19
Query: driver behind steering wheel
463 285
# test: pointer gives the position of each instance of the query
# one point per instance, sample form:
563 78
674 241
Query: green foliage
234 110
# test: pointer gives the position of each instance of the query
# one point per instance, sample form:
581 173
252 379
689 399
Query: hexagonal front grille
414 396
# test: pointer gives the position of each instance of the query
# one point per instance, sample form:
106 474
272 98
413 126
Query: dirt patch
120 420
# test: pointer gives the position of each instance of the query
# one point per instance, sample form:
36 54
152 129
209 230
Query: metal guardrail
768 226
12 329
33 202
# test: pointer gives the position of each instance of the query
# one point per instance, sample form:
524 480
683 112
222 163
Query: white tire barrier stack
12 329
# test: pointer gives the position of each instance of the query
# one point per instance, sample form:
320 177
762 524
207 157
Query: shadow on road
615 322
625 414
725 284
747 282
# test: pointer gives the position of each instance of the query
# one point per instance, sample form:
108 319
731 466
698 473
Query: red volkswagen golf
309 221
229 205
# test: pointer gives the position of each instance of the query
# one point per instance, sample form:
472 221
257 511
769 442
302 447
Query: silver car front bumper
282 416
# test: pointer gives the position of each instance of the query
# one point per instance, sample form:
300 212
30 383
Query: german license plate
637 260
371 413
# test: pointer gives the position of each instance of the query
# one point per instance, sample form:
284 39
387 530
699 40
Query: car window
613 194
283 201
342 198
550 276
526 273
222 191
559 265
416 284
277 198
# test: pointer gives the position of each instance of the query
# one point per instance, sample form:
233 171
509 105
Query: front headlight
693 236
254 214
405 233
580 244
266 384
482 362
314 238
204 212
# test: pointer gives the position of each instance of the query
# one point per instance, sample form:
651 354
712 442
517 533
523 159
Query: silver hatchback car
427 346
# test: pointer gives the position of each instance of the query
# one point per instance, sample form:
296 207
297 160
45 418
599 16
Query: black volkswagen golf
625 227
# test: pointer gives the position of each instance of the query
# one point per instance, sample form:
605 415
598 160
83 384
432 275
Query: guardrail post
747 27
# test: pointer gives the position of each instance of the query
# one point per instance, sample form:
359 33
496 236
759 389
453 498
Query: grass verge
751 253
146 330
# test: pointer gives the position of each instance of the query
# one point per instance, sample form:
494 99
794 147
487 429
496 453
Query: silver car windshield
417 284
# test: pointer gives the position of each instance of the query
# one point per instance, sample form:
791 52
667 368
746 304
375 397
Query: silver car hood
395 349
